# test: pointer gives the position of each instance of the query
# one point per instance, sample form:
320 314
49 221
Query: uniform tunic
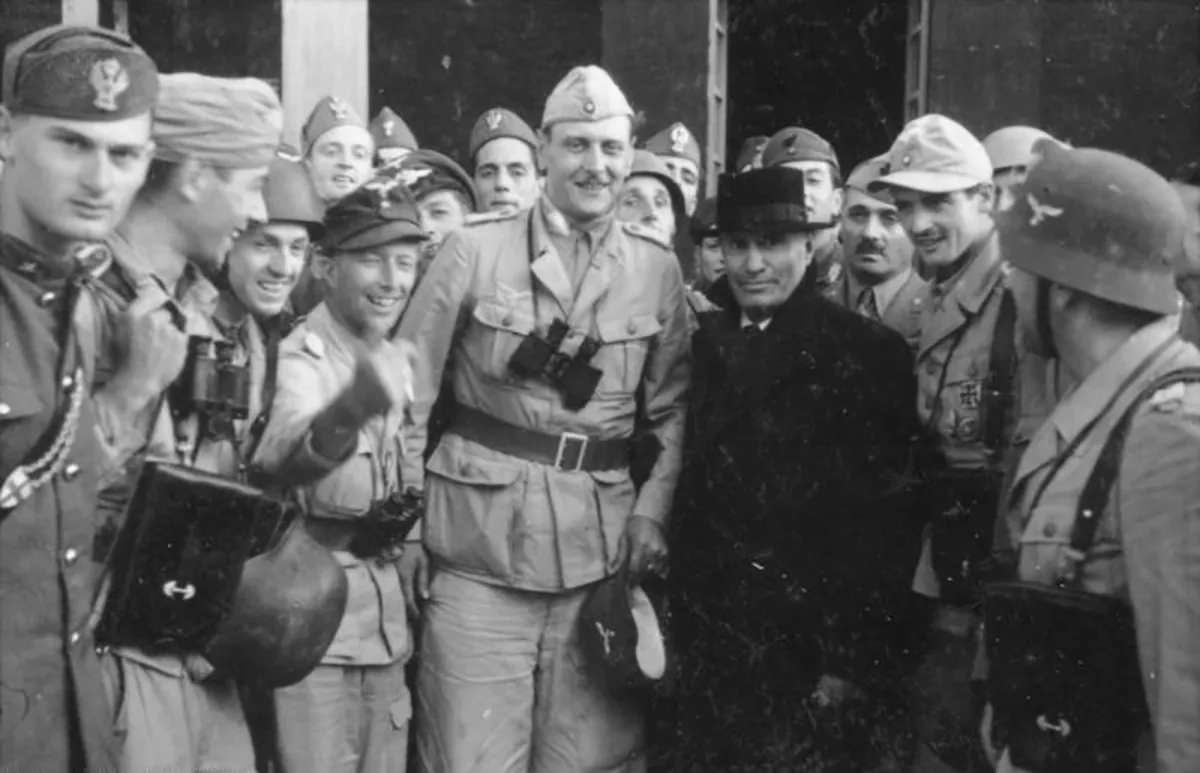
354 709
51 694
899 300
1147 545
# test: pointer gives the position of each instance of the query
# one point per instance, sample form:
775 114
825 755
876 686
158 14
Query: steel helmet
1097 222
1012 146
647 164
290 197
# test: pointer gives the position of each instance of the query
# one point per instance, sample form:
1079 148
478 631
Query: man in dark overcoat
794 535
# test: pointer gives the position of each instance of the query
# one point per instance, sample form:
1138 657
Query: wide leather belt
569 451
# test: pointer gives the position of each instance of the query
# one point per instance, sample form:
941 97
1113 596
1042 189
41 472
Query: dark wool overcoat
793 541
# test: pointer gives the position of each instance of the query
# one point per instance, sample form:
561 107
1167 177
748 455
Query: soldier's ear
7 128
192 179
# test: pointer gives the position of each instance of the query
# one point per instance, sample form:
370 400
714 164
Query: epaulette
479 218
650 235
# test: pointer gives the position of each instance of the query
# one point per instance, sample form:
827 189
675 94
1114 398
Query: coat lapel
547 267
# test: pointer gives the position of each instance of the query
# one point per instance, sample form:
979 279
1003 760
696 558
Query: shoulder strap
1002 367
273 332
1094 498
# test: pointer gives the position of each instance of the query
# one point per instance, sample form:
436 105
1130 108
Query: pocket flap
457 466
21 400
631 329
500 317
610 477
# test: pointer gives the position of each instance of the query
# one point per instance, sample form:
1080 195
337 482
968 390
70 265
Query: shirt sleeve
1159 489
666 379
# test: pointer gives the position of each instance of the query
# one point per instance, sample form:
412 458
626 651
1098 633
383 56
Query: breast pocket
625 343
348 491
494 335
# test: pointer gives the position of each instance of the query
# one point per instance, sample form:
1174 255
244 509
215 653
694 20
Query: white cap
587 93
935 154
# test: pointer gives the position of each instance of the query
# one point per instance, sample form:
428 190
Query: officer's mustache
869 247
592 178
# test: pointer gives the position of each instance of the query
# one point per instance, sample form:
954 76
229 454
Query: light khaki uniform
523 540
1147 546
173 715
352 713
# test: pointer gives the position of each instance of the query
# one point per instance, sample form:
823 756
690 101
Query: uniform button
507 320
67 382
47 298
1049 530
631 328
75 637
5 409
70 556
931 368
70 471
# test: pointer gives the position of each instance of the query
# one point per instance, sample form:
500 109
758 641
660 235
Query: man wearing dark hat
651 197
337 148
504 151
808 152
444 193
393 139
710 260
879 281
1106 499
564 332
75 143
979 393
750 156
793 529
215 141
335 436
680 153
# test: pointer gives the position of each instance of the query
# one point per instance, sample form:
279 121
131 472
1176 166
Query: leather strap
999 395
567 451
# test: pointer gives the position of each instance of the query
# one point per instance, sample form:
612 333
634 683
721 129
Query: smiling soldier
551 322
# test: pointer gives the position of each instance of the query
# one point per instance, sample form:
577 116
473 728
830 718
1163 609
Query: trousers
502 687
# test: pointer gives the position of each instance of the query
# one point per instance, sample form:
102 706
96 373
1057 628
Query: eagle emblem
679 138
1041 211
109 79
493 119
383 185
338 108
389 126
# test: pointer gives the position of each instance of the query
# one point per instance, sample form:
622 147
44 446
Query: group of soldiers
287 433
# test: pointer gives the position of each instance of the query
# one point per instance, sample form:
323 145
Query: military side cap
290 197
704 222
750 156
797 144
329 113
868 172
770 199
621 636
587 93
500 122
380 211
675 141
935 154
425 171
1012 146
1099 223
390 131
79 73
647 164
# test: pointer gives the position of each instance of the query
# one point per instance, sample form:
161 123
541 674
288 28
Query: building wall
1119 74
21 17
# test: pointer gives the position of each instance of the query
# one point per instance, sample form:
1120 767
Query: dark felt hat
769 199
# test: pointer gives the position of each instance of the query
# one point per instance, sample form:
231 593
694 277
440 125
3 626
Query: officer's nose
593 159
874 229
503 182
919 220
97 173
755 263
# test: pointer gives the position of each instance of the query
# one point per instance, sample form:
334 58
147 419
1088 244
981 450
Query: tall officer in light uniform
75 140
1093 238
215 140
504 152
552 321
680 153
940 178
335 435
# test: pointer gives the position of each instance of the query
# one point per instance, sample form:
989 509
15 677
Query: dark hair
1188 174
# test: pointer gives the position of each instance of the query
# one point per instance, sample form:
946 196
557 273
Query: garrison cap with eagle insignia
797 144
585 94
425 171
500 122
79 73
329 113
390 131
677 142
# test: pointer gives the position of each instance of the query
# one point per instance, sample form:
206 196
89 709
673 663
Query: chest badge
969 394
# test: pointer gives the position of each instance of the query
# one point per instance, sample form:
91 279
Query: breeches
503 687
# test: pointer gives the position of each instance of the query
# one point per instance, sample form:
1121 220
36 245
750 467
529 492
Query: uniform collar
37 266
885 292
337 337
556 225
972 285
1084 404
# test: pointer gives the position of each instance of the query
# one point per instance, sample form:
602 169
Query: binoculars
387 524
573 377
211 382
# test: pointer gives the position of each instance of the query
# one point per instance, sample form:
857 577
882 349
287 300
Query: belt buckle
566 442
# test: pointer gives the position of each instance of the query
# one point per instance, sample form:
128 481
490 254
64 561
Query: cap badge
410 177
589 106
906 161
383 185
493 119
338 108
1041 211
110 81
389 126
679 138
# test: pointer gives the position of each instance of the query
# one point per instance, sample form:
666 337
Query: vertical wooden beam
81 12
120 16
325 46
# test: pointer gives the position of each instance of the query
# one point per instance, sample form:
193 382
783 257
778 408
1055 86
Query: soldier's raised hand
152 347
